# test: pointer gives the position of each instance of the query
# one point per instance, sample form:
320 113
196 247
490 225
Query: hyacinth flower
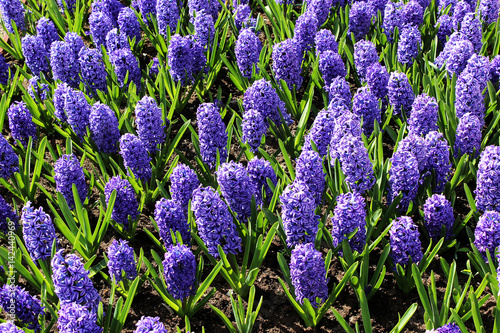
59 99
495 69
365 105
404 178
438 217
147 9
348 216
487 188
35 88
325 41
38 232
149 121
116 40
409 44
356 164
307 283
104 128
345 124
479 67
128 24
4 71
460 52
360 16
214 221
126 207
287 60
489 11
212 134
459 12
305 31
64 63
472 30
150 324
121 261
21 123
92 69
468 136
253 127
125 62
445 27
469 97
339 90
365 55
35 54
309 171
178 285
183 181
78 112
72 283
9 327
487 234
247 51
236 188
204 28
262 97
331 66
424 115
74 317
393 18
68 172
170 216
46 30
27 308
9 162
413 14
320 132
242 16
182 61
400 93
100 24
135 157
7 212
259 171
437 160
12 10
321 9
405 242
297 211
168 15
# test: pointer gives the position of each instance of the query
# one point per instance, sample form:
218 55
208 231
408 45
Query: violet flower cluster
9 327
309 171
167 14
150 128
495 69
27 308
128 24
488 180
124 61
259 170
204 28
320 132
100 24
487 233
339 91
471 28
150 324
348 216
183 181
437 159
68 172
135 157
242 15
59 99
448 328
116 40
179 269
126 206
185 58
297 211
438 215
469 97
212 134
345 124
9 162
365 55
21 122
121 259
400 92
325 41
308 275
35 54
445 27
214 221
12 10
460 10
365 105
356 164
72 282
36 88
287 61
236 188
405 242
409 44
424 115
253 127
305 31
38 232
479 67
331 66
404 178
247 51
170 215
393 18
78 112
74 317
64 63
377 79
7 212
412 15
489 10
104 128
360 16
468 136
262 97
4 71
